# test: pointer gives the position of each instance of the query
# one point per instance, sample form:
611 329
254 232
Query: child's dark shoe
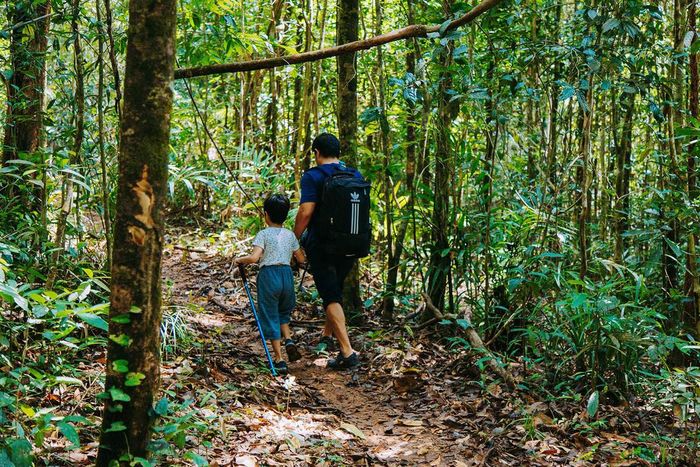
344 363
292 351
281 368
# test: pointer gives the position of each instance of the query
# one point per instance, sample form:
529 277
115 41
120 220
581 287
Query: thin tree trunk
691 316
583 170
531 107
388 191
271 115
79 94
318 72
106 216
113 60
440 261
622 182
395 259
133 356
553 113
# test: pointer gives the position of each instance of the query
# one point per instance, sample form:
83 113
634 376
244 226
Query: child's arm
299 256
254 257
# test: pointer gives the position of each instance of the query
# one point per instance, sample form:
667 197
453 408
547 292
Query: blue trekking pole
241 268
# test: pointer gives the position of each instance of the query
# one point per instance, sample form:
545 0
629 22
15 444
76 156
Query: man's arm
304 214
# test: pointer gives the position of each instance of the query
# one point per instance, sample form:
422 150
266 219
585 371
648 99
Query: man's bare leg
335 317
327 328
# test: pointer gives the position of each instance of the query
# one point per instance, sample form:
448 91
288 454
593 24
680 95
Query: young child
274 247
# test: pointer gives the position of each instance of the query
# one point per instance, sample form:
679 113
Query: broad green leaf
20 452
94 320
68 380
134 379
120 366
161 408
198 460
592 407
611 24
121 339
69 431
115 427
119 395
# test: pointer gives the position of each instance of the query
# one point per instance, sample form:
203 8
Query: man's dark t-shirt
329 271
312 190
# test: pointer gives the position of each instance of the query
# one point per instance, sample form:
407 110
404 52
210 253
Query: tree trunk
691 315
623 155
395 259
106 217
531 106
388 308
440 262
133 358
583 180
79 110
553 113
25 88
113 60
347 30
491 136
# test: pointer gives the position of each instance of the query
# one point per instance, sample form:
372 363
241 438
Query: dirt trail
365 417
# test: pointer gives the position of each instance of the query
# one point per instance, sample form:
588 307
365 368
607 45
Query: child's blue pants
276 299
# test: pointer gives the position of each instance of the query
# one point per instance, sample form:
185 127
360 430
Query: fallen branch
221 304
476 343
414 30
189 249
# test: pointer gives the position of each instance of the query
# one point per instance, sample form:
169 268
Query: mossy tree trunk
133 359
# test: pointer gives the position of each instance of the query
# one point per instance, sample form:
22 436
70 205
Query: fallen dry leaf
352 429
247 461
410 422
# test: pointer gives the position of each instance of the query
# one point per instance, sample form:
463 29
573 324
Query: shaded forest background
534 178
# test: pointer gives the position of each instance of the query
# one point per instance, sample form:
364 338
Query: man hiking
334 212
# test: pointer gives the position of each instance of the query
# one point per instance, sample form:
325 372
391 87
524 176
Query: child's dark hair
277 207
327 144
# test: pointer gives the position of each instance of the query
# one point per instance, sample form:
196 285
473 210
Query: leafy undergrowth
419 398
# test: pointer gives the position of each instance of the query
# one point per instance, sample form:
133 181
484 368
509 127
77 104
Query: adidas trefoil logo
355 197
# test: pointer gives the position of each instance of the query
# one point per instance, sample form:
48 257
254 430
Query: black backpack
342 221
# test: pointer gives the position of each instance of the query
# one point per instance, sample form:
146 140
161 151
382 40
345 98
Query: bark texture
133 360
347 30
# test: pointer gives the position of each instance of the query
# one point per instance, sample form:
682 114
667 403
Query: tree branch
414 30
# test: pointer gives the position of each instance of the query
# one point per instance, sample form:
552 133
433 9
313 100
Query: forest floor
414 401
419 398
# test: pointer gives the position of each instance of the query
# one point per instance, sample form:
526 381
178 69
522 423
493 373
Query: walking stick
241 269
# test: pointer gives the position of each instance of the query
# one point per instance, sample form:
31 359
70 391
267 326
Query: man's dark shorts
329 273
